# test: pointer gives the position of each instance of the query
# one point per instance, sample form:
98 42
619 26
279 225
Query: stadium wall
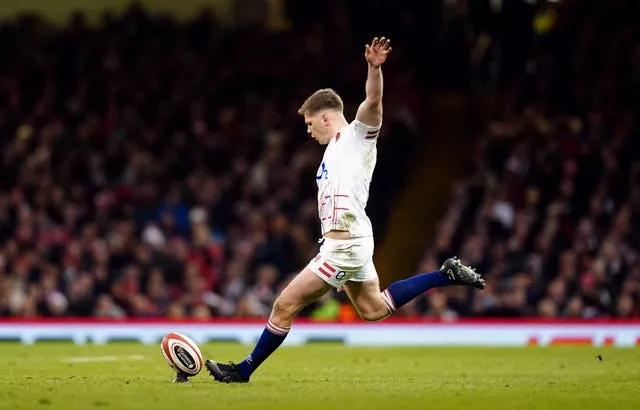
389 333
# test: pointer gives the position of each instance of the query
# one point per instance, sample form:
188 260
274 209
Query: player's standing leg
304 289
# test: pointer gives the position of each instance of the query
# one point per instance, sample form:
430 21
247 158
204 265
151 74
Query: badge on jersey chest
322 173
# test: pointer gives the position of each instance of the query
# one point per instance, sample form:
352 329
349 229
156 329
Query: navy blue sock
402 291
271 338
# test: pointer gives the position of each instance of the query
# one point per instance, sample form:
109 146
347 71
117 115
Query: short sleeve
366 132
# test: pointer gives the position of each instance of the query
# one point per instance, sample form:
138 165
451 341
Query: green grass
325 376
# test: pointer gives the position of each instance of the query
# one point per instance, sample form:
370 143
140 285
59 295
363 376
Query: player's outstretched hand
377 52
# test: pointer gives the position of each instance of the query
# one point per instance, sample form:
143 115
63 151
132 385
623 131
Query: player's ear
325 118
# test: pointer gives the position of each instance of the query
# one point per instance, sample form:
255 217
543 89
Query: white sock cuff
282 331
388 300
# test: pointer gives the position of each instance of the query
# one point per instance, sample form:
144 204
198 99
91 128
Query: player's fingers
387 44
387 51
374 42
383 40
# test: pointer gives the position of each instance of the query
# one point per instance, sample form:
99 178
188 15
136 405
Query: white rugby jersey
344 177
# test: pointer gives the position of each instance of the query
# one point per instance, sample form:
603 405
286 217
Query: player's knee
373 315
285 307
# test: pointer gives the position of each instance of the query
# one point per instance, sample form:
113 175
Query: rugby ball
182 354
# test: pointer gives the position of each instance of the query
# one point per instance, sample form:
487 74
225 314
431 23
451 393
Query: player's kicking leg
304 289
373 305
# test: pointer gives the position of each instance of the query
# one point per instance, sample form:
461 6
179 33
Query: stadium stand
154 168
150 168
550 208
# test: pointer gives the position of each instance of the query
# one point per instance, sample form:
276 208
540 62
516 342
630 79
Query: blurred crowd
550 210
154 168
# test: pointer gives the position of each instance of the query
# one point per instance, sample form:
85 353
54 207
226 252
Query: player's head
321 112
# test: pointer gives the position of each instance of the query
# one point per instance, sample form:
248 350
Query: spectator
550 199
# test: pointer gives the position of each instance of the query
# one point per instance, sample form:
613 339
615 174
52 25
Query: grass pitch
324 376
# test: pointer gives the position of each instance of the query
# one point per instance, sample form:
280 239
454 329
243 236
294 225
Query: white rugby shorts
342 260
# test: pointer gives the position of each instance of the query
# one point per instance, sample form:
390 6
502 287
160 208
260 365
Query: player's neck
339 123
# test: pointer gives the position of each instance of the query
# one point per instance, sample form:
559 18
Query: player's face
318 127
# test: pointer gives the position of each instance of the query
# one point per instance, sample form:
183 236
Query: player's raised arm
370 111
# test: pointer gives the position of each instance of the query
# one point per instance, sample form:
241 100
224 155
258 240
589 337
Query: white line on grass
91 359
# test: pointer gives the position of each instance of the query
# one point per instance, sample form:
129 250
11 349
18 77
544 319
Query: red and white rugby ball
182 353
